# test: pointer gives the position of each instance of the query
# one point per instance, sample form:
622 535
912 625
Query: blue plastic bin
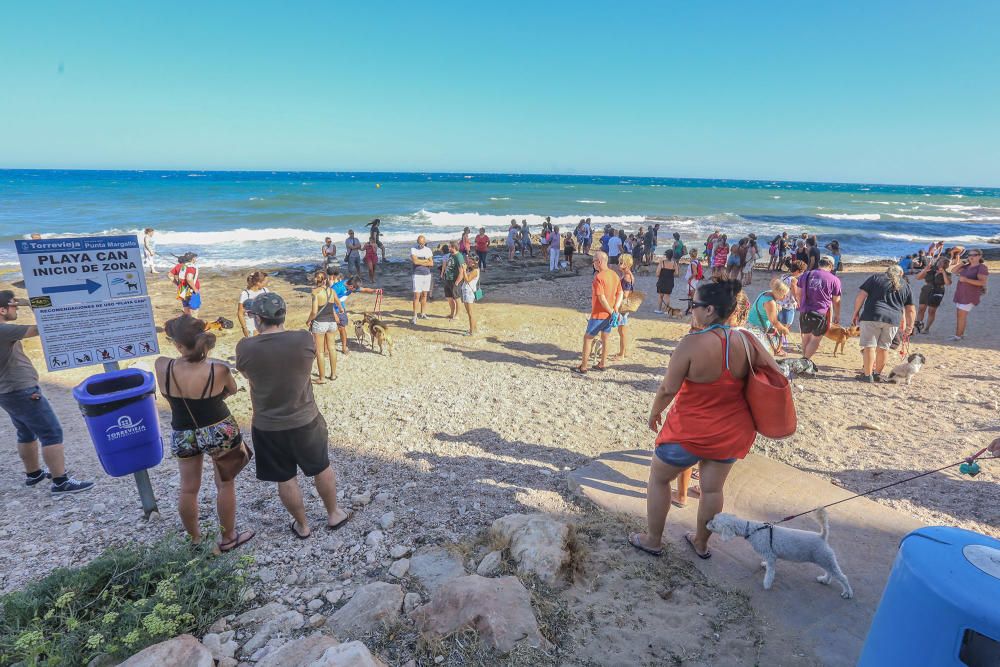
120 410
941 605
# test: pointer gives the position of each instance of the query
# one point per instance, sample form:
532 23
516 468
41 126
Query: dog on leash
840 335
673 312
379 332
906 370
359 332
777 542
793 368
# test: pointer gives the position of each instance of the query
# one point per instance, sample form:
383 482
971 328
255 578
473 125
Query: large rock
435 566
181 651
285 623
351 654
499 609
538 544
304 651
371 605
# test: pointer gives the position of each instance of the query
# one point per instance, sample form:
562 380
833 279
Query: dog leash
967 466
378 303
904 346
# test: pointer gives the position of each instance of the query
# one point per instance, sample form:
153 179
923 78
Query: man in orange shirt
606 299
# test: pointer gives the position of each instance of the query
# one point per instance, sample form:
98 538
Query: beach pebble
387 520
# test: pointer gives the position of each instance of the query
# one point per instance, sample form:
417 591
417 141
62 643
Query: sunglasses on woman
700 304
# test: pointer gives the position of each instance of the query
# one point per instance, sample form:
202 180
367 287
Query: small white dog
906 370
774 542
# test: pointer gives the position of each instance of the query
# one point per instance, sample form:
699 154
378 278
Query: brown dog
379 333
839 336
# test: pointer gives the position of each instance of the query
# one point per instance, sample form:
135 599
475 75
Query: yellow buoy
378 185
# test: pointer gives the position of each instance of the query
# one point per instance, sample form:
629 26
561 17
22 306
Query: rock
260 615
99 508
374 538
315 604
489 566
387 521
228 662
290 579
304 651
411 601
382 496
317 621
399 568
538 544
434 566
351 654
399 551
181 651
333 597
361 499
220 625
267 575
499 609
286 622
75 527
220 647
370 605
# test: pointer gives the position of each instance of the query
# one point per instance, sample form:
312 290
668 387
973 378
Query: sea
240 220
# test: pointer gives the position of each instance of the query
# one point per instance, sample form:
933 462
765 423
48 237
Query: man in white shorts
422 259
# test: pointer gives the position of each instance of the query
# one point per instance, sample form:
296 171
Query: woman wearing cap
322 323
972 278
185 276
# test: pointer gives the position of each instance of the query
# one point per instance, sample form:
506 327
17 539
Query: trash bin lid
114 386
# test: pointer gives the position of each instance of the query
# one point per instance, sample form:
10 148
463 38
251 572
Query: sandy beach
452 432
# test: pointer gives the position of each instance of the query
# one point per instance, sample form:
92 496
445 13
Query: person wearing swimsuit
708 421
666 269
324 315
196 389
628 286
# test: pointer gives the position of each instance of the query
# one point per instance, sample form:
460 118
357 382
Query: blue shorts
673 454
786 316
598 326
193 302
33 418
733 260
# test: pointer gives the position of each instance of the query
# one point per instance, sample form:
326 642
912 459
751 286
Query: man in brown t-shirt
288 431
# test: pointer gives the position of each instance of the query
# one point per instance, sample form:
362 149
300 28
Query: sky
853 91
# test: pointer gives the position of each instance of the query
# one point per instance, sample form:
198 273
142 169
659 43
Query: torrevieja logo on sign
124 428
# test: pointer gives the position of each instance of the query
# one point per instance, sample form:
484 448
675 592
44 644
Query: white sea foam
917 238
928 218
957 207
850 216
885 203
489 220
499 198
590 201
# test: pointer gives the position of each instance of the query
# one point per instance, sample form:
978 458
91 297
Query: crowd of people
704 381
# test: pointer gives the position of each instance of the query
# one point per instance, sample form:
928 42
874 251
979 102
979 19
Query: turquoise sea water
244 219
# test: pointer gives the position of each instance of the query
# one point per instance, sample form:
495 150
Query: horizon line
496 173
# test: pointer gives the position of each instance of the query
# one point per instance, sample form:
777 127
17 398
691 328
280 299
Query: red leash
378 303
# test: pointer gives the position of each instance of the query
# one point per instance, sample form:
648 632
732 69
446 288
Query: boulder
285 623
399 568
434 566
181 651
260 615
304 651
220 645
499 609
351 654
538 544
370 605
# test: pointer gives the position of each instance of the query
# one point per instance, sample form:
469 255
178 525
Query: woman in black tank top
196 389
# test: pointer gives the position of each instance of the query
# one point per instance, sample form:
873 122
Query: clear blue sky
873 91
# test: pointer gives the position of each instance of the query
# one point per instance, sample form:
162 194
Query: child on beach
256 284
371 260
185 276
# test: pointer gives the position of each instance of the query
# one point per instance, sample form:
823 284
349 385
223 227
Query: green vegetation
126 599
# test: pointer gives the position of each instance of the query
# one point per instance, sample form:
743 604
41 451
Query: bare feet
676 500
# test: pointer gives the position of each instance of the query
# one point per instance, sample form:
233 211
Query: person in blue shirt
906 263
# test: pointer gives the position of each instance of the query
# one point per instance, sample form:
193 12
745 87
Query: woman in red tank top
709 422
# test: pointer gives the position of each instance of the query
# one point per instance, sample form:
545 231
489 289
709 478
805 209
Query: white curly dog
774 542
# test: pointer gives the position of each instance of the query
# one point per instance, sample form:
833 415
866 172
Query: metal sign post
97 281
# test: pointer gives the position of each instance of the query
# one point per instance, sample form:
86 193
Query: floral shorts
211 440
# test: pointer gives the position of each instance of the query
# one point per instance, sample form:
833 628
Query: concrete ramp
797 609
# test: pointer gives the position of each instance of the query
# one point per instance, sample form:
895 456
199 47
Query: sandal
579 371
340 524
703 556
633 539
297 533
236 542
319 381
676 501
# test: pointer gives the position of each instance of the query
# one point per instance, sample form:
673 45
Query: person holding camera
936 279
973 275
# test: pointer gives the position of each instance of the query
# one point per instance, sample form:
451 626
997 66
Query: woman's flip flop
238 541
297 533
703 556
633 539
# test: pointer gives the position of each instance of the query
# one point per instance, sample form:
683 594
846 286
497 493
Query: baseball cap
268 304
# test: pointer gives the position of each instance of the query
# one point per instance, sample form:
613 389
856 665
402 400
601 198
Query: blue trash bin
120 410
941 604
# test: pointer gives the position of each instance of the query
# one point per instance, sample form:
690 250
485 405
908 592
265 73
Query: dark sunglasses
700 304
